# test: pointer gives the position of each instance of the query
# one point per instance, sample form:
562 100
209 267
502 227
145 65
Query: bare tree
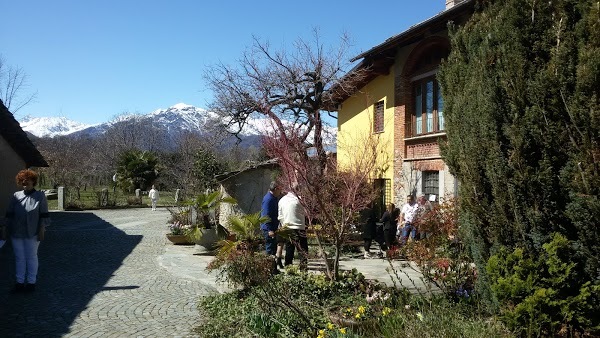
289 87
13 83
293 89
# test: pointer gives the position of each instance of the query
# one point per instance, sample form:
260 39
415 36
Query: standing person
27 217
407 214
423 208
269 208
291 216
153 195
389 232
369 229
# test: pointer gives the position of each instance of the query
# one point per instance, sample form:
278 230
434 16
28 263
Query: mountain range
178 118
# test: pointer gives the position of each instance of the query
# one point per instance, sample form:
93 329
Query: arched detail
426 55
424 58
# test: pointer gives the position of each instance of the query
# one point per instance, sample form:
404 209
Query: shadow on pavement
78 257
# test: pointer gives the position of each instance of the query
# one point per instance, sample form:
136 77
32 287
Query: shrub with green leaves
545 294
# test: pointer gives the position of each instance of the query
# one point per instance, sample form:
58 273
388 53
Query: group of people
284 211
26 219
396 226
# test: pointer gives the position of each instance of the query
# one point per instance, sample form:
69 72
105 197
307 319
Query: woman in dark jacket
27 217
390 223
370 231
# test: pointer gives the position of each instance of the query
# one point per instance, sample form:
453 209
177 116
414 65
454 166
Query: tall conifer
522 95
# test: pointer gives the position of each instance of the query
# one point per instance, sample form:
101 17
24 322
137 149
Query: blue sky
92 60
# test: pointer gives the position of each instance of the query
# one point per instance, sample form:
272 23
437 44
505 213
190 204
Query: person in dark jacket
390 222
269 208
369 229
27 217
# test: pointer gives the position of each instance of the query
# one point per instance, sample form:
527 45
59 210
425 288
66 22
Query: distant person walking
291 215
153 195
269 208
27 217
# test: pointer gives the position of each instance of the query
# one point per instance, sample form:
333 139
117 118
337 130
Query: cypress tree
522 95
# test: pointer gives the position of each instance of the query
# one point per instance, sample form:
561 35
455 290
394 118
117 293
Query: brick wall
424 149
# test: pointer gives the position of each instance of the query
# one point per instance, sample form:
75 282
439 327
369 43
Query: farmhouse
399 99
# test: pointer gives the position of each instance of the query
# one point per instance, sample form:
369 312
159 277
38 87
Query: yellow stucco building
397 103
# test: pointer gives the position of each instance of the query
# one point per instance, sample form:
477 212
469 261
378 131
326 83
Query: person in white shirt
291 216
153 195
407 214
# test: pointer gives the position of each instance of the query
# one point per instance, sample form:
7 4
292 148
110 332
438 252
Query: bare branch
13 83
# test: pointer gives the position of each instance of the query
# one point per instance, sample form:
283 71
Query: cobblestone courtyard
100 276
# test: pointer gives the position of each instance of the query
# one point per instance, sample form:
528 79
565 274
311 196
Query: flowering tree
292 89
332 196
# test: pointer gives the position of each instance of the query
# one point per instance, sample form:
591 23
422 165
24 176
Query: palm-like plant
205 205
245 230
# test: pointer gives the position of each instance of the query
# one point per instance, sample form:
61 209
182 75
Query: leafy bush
242 268
544 295
259 312
441 256
133 200
438 317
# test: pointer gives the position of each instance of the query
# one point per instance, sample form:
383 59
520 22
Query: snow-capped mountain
178 117
51 126
175 119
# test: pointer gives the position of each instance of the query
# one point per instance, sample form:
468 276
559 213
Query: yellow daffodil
321 334
361 309
343 330
330 326
386 311
357 316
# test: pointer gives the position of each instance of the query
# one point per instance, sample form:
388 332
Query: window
428 106
431 183
378 117
383 187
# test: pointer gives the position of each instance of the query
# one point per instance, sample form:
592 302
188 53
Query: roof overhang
378 60
11 131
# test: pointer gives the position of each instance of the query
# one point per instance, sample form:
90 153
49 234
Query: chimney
451 3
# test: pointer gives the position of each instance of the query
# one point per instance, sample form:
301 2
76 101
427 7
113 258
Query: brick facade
422 149
425 148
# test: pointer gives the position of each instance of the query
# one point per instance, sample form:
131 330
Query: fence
93 198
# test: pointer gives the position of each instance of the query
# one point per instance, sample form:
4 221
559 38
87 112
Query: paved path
106 273
113 273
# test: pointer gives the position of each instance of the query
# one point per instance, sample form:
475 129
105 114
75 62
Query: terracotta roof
377 60
11 131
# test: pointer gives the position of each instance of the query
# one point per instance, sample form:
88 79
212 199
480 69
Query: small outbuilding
247 186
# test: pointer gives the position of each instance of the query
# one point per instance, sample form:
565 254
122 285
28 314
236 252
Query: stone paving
113 273
102 275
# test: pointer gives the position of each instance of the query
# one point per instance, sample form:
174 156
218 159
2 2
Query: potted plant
205 230
244 232
178 233
179 225
239 259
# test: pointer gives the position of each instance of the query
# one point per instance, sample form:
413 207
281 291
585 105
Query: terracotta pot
178 239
